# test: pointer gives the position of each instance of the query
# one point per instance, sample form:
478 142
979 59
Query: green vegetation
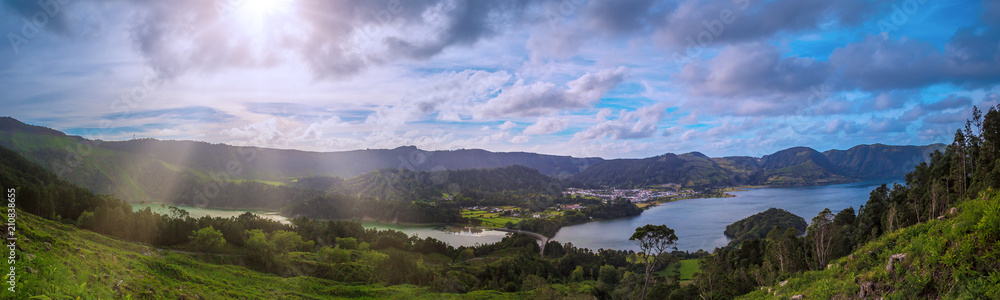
208 240
934 237
757 226
312 259
952 258
949 253
66 262
689 170
653 241
683 269
490 219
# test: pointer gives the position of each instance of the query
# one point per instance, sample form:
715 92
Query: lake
699 223
198 212
455 236
452 235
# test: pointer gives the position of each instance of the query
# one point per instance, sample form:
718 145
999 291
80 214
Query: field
489 219
685 268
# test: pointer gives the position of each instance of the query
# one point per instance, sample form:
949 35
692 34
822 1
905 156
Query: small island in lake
757 226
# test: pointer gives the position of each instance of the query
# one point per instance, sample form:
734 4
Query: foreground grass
79 264
953 258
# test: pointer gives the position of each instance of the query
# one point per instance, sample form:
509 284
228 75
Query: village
498 216
633 195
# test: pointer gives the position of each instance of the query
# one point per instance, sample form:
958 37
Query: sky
605 78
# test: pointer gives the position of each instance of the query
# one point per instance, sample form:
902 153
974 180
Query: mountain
406 185
798 166
790 167
690 169
880 161
156 170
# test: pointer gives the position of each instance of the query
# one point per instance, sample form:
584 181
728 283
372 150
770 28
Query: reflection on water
198 212
699 223
452 235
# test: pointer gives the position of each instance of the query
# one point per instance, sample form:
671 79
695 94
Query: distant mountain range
153 170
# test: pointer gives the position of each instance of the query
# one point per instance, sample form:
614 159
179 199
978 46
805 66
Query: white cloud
547 125
507 125
540 98
641 123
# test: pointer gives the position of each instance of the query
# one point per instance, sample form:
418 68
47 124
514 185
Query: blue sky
601 78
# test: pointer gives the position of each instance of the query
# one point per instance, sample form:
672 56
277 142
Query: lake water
455 236
198 212
699 223
452 235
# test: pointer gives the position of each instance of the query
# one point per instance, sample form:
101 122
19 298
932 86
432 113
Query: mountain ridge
138 168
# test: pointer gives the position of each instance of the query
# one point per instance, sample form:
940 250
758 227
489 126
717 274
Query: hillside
954 258
406 185
66 262
798 166
879 161
154 170
690 170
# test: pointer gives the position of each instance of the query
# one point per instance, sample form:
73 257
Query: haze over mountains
151 170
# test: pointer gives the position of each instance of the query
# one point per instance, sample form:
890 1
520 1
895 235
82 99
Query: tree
653 240
208 239
608 275
577 274
821 232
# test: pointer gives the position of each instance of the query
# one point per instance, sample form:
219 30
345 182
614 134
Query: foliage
208 239
653 241
760 224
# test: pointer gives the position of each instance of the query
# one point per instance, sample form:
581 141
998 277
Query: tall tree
653 240
960 172
821 233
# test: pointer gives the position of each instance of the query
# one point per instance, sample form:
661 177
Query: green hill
798 166
760 224
62 262
951 258
880 161
689 170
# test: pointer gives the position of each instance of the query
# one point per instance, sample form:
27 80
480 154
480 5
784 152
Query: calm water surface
455 236
198 212
699 223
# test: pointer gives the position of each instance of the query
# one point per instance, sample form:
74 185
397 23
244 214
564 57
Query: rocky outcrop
867 290
894 258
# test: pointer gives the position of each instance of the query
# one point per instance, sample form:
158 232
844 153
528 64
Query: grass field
685 268
489 219
57 261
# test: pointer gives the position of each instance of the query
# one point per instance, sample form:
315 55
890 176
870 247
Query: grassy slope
94 272
685 268
954 258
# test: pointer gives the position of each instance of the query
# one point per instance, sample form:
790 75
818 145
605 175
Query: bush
207 239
